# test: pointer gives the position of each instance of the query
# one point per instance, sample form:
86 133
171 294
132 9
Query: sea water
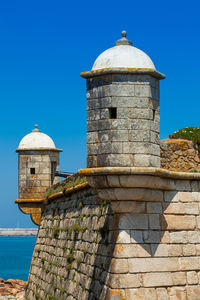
15 256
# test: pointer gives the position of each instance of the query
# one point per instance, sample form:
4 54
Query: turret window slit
113 112
154 112
32 170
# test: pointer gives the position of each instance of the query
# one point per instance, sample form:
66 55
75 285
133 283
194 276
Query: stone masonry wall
132 137
157 254
124 250
71 256
35 185
179 155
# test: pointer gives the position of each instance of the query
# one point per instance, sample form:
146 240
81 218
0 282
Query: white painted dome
123 55
36 140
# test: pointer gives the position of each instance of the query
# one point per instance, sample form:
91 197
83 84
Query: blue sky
44 47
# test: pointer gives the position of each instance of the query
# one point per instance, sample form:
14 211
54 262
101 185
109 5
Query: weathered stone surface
179 278
129 250
141 293
151 236
189 250
142 160
162 294
193 292
179 155
179 237
133 221
125 281
177 222
119 266
192 277
135 194
124 237
128 207
181 208
137 236
155 208
185 196
171 196
157 279
176 293
174 250
159 250
189 263
154 221
152 264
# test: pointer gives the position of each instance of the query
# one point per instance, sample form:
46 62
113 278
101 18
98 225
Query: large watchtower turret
38 161
123 119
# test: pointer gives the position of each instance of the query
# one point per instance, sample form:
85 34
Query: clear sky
44 45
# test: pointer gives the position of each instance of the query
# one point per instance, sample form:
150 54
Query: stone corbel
33 207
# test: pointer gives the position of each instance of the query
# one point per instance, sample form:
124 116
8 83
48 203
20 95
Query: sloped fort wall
129 233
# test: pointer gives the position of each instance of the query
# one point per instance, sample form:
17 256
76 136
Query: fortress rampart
129 234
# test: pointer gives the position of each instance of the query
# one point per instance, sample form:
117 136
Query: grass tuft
69 182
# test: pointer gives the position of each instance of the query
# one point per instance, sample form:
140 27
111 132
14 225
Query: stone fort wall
71 257
146 246
179 155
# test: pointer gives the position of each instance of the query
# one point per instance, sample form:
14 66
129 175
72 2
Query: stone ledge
68 191
34 206
136 71
39 200
139 171
39 149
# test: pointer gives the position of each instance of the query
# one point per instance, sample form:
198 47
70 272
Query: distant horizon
18 228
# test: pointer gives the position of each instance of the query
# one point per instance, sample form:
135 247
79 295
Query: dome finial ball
124 33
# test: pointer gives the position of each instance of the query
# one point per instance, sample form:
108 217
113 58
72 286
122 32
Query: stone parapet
129 233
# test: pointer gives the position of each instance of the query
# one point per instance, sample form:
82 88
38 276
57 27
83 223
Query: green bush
188 133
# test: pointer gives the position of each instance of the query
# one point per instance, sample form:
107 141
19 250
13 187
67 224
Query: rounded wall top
36 140
123 55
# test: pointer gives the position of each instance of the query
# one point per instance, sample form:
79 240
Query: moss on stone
69 182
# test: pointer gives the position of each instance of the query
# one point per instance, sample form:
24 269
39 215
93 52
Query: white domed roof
36 140
123 55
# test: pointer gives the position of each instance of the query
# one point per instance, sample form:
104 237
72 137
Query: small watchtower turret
38 161
123 119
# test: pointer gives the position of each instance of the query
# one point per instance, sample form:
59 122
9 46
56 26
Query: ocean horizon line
18 231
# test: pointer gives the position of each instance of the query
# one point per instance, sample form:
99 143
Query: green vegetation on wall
69 182
188 133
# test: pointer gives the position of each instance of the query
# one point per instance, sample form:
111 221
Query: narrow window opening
32 170
154 112
53 170
113 112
